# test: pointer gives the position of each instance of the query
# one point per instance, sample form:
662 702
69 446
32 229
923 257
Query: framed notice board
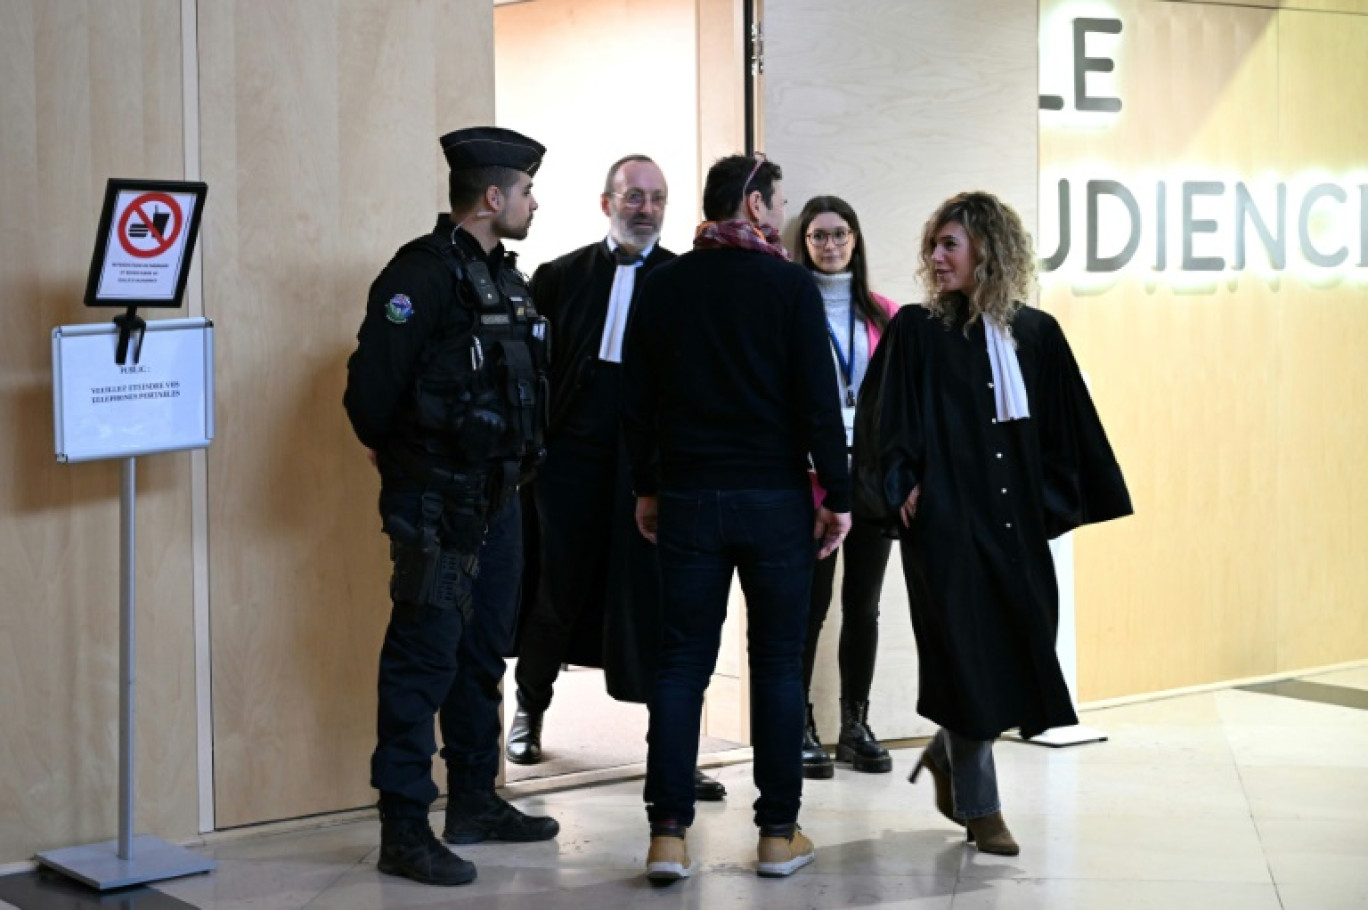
163 403
144 243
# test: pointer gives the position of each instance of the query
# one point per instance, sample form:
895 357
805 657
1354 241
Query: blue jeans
973 775
765 536
436 662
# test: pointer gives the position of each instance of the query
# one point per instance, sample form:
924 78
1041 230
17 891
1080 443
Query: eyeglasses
840 237
635 199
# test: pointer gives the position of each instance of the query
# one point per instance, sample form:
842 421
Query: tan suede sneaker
783 852
668 859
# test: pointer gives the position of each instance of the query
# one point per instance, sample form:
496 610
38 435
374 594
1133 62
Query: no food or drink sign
146 237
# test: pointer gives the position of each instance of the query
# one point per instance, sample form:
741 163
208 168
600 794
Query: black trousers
866 558
435 662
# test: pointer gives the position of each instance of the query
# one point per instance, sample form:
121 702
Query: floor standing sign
108 406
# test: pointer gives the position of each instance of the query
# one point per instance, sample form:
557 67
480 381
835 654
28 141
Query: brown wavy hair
1004 256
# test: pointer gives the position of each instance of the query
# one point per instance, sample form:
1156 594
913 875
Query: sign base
151 860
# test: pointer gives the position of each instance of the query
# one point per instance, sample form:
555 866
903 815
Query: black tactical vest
480 397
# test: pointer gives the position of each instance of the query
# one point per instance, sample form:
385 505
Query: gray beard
631 239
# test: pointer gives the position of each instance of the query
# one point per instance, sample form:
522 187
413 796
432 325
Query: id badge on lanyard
845 369
848 418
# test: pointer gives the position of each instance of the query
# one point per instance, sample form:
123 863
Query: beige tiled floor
1229 800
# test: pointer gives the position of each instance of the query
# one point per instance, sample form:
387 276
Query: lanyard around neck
844 361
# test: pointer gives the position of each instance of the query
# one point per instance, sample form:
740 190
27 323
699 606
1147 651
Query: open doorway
595 80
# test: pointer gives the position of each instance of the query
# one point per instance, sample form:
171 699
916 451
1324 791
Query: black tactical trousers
436 662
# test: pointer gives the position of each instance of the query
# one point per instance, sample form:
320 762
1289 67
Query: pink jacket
818 494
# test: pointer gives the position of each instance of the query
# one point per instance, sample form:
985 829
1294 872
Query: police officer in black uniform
447 389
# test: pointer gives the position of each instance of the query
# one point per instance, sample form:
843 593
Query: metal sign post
128 860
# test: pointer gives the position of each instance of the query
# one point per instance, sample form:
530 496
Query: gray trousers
973 776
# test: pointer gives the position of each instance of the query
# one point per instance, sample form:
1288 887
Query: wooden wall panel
1184 590
320 126
1322 514
88 91
895 107
1228 397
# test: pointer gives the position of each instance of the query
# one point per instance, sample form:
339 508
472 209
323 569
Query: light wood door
320 124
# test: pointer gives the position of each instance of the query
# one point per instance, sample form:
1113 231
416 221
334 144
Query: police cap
483 146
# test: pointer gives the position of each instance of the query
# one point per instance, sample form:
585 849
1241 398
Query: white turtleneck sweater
836 299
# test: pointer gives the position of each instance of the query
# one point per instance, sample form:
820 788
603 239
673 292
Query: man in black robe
594 599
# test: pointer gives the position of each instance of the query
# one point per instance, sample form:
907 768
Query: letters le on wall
1162 161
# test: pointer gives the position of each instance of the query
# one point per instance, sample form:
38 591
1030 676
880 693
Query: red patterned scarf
741 235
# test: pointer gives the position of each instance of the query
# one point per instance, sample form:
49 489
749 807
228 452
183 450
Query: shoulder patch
399 310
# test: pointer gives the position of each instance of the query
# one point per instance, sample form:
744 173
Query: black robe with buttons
981 582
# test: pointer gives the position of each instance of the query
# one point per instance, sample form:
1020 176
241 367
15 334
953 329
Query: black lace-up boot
858 744
476 816
408 848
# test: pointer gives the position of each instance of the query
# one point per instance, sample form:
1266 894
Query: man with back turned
729 388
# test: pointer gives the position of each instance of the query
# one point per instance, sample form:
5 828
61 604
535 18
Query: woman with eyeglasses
977 443
834 251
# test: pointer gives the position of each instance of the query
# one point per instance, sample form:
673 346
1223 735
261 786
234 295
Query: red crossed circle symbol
163 241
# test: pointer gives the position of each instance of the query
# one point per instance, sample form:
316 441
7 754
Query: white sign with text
162 403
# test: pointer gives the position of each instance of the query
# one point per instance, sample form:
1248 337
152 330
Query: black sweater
729 381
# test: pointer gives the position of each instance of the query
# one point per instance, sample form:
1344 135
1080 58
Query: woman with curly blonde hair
1004 263
976 443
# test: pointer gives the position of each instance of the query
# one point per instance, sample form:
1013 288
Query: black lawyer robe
615 621
981 582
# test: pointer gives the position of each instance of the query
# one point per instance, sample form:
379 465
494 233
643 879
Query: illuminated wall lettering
1211 212
1247 213
1308 249
1178 218
1083 64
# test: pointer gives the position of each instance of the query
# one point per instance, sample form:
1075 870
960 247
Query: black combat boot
858 744
476 816
816 761
524 737
409 849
